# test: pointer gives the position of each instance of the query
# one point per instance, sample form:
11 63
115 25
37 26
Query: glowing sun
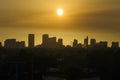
60 12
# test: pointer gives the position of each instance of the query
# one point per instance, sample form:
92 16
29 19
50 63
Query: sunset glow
70 18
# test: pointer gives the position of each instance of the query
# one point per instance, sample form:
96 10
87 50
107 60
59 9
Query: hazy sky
98 19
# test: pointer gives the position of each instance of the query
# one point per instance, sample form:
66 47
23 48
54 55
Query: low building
20 44
10 43
115 45
102 44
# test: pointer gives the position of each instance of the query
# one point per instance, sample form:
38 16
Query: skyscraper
31 40
0 44
92 42
52 42
45 39
75 43
60 42
86 42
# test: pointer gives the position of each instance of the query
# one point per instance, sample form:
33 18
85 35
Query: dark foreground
67 64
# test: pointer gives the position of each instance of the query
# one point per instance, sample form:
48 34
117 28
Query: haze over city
59 39
98 19
54 42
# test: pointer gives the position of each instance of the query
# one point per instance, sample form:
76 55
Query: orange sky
98 19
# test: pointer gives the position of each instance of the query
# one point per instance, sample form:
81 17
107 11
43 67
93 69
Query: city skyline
59 39
54 42
99 19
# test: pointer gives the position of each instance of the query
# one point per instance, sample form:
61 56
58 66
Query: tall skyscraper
45 39
50 42
86 42
0 44
75 43
60 42
31 40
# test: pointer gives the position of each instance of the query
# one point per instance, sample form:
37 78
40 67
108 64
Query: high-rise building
92 43
31 40
45 39
10 43
75 43
86 42
0 44
52 42
60 41
115 45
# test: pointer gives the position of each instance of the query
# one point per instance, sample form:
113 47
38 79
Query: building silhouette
68 46
20 44
48 42
79 45
115 45
0 44
31 40
86 42
10 43
45 39
60 43
51 42
92 43
75 43
102 44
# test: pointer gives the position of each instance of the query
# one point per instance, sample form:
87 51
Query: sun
60 12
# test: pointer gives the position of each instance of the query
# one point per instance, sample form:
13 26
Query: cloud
23 18
96 21
103 21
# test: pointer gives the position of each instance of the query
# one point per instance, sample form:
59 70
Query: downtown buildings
12 43
53 42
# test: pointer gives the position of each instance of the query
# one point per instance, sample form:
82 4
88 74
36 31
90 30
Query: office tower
75 43
86 42
10 43
45 39
48 42
52 42
31 40
92 42
0 44
115 45
20 44
60 42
